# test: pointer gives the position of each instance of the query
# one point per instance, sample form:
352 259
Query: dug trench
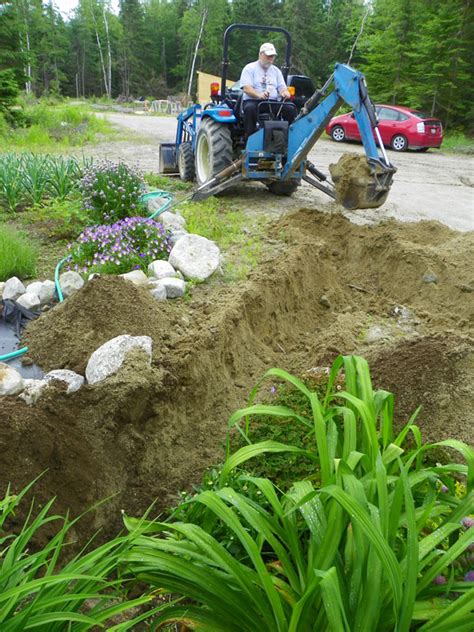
399 294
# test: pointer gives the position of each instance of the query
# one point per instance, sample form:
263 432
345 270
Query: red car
401 128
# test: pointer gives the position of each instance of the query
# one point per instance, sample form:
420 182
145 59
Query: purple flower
444 489
467 522
469 577
273 390
439 580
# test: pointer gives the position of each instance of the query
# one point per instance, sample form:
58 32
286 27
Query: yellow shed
204 86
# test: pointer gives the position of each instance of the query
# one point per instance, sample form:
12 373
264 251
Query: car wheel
399 143
338 134
186 162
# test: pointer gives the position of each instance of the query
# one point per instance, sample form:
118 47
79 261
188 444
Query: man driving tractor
261 81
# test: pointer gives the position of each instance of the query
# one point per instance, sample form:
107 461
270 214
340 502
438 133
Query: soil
399 294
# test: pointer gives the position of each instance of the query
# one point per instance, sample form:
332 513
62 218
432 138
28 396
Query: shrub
111 191
131 243
17 254
381 543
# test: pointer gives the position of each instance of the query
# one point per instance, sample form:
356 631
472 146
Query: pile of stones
192 258
104 362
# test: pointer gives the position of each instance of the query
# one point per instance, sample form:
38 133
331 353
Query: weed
457 142
17 254
167 184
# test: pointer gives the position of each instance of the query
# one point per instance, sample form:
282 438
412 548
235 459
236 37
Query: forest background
416 53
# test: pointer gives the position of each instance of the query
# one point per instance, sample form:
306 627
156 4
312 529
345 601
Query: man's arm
255 94
282 89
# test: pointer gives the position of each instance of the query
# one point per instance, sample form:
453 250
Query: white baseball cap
268 49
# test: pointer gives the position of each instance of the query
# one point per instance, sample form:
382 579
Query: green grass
457 142
55 127
18 255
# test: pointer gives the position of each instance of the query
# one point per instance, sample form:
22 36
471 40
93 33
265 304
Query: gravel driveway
432 185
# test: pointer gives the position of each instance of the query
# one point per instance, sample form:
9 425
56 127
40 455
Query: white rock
160 269
93 275
172 221
174 287
175 236
47 292
2 287
195 256
70 282
137 277
29 301
158 291
107 359
11 381
34 288
32 390
13 289
73 380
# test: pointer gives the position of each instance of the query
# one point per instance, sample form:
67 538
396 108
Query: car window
402 117
387 114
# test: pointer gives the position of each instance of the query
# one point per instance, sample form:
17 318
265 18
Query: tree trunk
109 56
191 74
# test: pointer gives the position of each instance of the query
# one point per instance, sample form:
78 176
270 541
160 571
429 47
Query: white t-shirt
261 79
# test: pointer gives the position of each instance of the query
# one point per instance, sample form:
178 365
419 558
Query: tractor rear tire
186 162
283 188
213 150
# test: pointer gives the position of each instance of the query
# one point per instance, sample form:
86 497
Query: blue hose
13 354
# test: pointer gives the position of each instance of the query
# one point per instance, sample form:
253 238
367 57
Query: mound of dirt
401 294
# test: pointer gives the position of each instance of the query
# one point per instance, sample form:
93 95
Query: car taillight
214 89
292 90
420 127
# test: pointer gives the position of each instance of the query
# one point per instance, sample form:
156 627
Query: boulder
176 236
47 293
195 256
158 291
13 289
160 269
70 282
172 221
174 287
34 288
73 380
107 359
29 301
11 381
32 391
2 287
137 277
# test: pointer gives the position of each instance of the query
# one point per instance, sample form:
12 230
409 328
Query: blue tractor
211 147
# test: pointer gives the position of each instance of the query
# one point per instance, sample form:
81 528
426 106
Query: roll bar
253 27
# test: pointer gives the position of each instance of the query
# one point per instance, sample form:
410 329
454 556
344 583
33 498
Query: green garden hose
13 354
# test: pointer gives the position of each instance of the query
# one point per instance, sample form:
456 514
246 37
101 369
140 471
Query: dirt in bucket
399 294
355 182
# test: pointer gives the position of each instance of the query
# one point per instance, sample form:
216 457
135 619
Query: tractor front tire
186 162
213 150
283 188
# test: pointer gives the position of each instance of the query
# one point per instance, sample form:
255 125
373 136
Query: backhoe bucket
167 157
361 183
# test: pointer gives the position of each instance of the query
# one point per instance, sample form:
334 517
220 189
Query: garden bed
399 294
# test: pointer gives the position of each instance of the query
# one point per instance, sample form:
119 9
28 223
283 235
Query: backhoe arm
353 189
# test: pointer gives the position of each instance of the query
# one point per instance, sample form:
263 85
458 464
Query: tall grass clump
27 179
56 125
18 255
383 542
40 591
